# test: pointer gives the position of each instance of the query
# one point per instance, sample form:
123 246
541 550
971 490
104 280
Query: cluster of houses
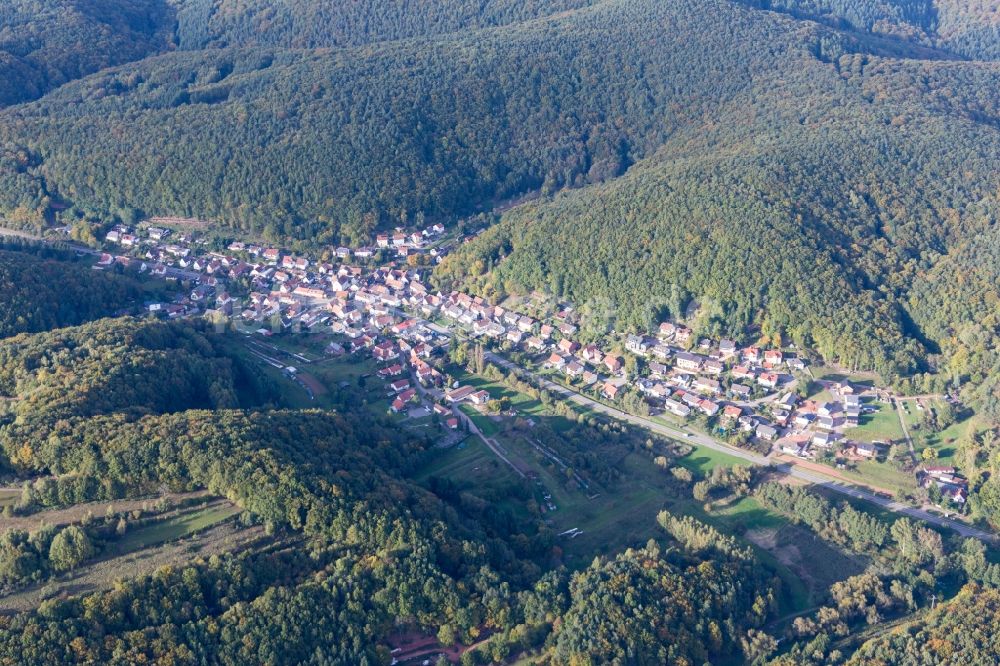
810 426
365 305
683 376
383 311
402 243
283 287
952 486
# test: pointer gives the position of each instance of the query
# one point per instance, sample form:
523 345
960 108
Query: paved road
492 444
753 458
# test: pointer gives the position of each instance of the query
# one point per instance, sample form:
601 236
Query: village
377 302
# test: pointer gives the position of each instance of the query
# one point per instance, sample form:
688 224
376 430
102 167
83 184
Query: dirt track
76 513
102 574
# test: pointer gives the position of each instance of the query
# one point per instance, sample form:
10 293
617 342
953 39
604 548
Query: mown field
174 538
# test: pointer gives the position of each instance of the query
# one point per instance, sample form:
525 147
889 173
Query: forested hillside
310 24
364 550
332 145
45 43
815 230
966 28
123 366
38 294
962 631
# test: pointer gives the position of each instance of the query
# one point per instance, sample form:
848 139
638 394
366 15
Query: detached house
568 346
535 344
768 379
687 361
766 432
555 361
614 363
706 385
637 345
611 389
714 367
732 413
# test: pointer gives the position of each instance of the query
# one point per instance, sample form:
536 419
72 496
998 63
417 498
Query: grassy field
623 515
520 402
880 475
806 564
884 475
883 425
470 464
486 425
175 527
911 415
292 394
610 518
703 459
466 457
333 373
831 374
523 403
669 420
9 497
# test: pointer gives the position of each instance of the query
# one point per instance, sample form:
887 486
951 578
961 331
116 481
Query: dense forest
962 631
117 366
330 145
45 43
309 24
967 29
380 550
39 294
804 234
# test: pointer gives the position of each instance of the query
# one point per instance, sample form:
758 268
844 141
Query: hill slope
804 212
38 294
970 29
311 24
330 144
960 631
45 43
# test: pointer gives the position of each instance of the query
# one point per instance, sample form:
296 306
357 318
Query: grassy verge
175 527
